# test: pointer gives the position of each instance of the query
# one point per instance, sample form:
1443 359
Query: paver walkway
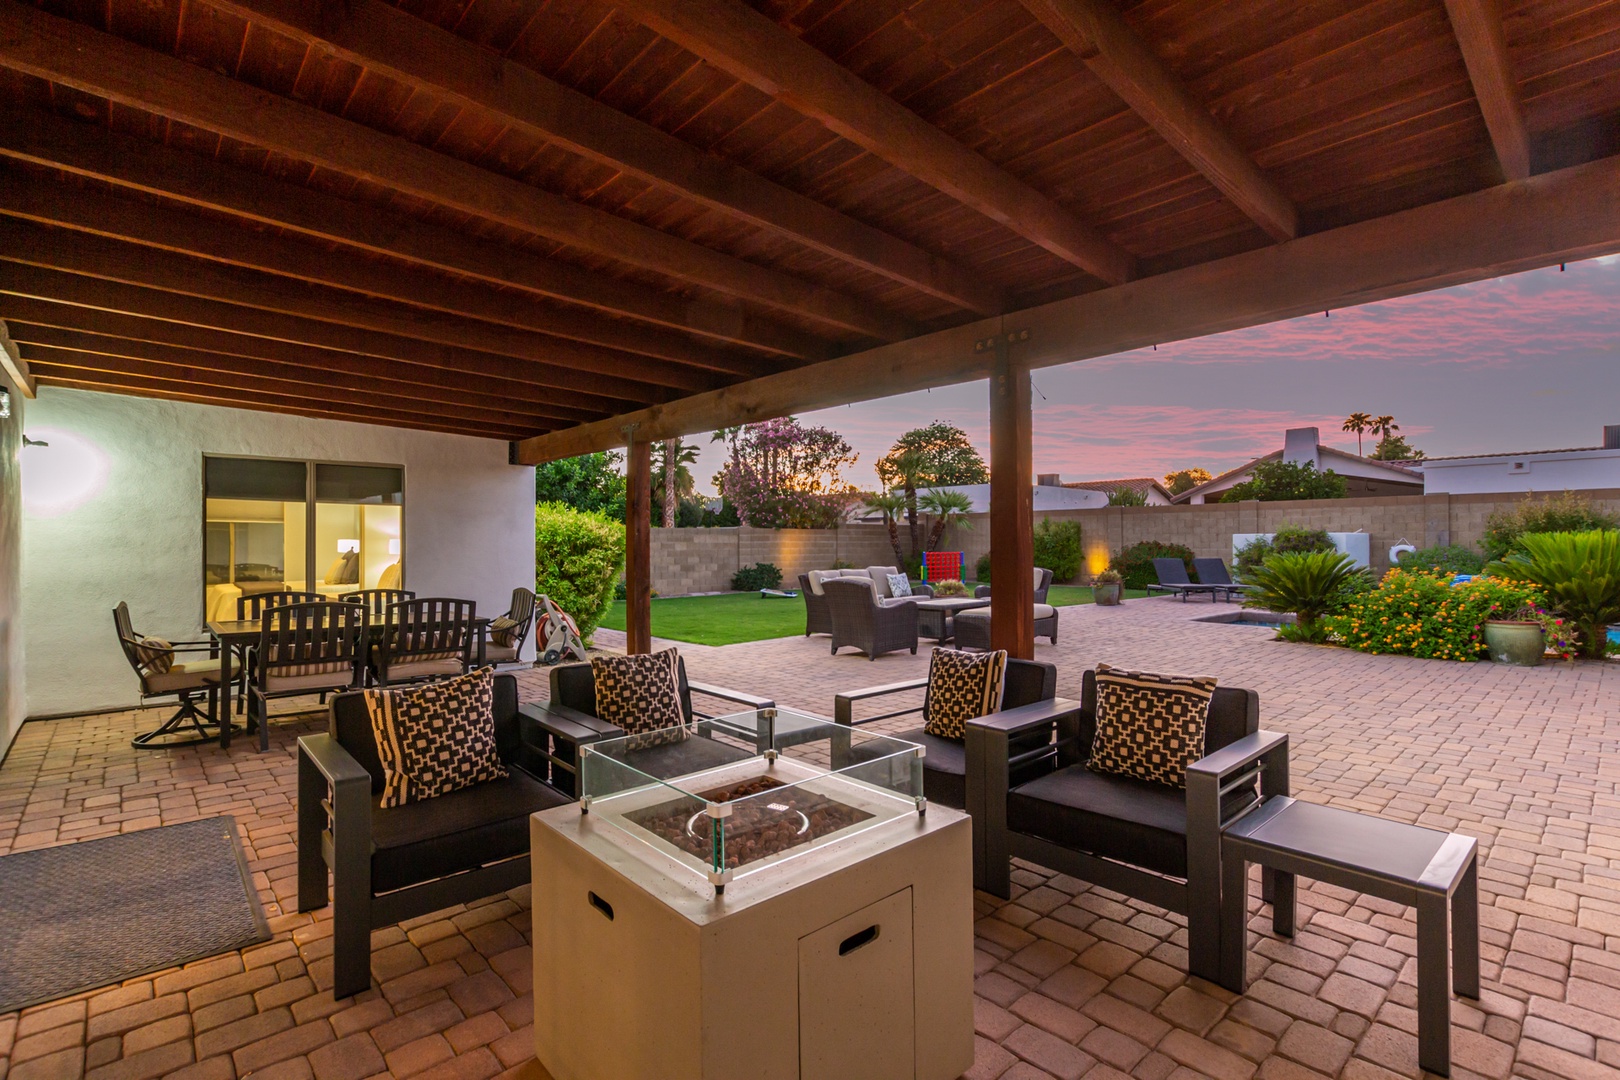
1072 981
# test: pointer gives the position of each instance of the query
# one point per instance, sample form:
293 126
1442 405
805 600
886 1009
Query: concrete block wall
688 561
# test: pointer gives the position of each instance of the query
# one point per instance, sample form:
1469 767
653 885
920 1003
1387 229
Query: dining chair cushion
500 654
1149 726
962 686
155 654
426 669
437 738
188 676
503 630
639 694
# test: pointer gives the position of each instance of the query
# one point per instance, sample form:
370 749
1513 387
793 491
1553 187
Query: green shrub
1135 563
578 555
1568 512
1273 481
1415 613
1287 540
1578 573
981 569
761 575
1126 497
1057 548
1307 584
1451 558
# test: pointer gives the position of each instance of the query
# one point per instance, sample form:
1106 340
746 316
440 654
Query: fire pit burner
757 828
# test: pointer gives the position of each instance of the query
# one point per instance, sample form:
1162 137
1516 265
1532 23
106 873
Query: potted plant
1520 639
949 587
1108 588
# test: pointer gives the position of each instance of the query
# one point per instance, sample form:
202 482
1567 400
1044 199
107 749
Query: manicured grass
731 618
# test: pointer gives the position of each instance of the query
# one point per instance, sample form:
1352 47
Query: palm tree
1384 426
677 454
891 504
946 508
1360 423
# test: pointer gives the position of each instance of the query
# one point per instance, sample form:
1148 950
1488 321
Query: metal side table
1432 871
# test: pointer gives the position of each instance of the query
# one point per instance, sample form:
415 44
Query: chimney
1611 436
1052 479
1300 446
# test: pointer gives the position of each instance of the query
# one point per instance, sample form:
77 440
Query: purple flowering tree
783 475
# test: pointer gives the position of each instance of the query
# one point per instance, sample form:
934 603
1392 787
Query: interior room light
393 546
346 546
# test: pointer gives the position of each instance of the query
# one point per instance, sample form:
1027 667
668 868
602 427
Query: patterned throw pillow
899 585
962 686
503 631
640 694
1149 726
155 655
436 738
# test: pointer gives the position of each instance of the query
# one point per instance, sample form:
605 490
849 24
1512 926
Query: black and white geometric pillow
962 686
641 694
1149 726
436 738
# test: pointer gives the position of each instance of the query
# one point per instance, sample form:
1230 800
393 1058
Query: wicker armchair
860 620
1043 581
817 614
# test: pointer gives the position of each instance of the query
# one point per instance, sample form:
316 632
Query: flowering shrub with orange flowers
1416 613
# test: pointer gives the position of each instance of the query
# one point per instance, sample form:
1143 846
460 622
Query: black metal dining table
237 634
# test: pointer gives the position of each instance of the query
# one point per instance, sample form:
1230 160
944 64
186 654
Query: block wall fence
703 560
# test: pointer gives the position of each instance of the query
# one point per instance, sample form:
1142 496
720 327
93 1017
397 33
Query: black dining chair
430 638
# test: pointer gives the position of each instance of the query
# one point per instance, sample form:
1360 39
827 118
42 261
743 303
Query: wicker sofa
818 616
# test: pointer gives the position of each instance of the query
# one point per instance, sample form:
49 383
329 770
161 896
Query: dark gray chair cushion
459 831
692 754
1117 817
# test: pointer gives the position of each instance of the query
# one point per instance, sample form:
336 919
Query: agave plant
1578 572
1308 584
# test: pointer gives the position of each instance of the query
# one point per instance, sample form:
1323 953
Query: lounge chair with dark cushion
1028 689
1150 841
393 864
1172 575
1043 582
572 712
1214 572
862 621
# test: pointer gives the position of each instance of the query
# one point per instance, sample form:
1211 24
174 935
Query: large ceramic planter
1519 643
1108 593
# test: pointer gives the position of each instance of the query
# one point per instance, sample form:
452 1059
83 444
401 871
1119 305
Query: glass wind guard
732 795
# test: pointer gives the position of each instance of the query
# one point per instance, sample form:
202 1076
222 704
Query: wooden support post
1012 508
638 549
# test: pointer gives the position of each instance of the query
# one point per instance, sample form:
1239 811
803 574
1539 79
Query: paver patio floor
1072 981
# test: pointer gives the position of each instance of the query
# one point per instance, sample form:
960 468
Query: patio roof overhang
559 225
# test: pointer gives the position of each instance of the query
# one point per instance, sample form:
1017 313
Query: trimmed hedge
578 556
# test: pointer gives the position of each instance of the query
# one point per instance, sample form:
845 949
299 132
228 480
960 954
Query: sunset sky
1527 362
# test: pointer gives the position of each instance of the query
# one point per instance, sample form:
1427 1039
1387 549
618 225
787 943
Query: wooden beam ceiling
583 389
75 55
1478 26
143 165
1096 32
1555 217
383 38
752 48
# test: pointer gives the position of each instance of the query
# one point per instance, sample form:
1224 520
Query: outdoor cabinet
850 962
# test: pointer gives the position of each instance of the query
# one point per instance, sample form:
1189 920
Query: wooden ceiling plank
143 165
752 48
36 317
344 383
12 363
37 199
1555 217
1096 32
109 383
587 389
97 256
1478 26
87 60
395 43
199 369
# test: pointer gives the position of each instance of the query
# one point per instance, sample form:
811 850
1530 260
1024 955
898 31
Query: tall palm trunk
894 538
912 525
669 482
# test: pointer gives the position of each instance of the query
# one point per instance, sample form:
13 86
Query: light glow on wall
62 475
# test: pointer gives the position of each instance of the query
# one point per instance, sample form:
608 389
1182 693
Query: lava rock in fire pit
757 828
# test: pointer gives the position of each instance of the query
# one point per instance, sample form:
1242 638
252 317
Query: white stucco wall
134 532
13 702
1577 470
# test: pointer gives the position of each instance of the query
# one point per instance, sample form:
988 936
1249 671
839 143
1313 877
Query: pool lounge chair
1172 575
1214 572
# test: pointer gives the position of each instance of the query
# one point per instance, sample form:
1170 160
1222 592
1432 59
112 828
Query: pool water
1250 618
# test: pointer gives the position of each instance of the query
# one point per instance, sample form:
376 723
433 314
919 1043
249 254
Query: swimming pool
1250 618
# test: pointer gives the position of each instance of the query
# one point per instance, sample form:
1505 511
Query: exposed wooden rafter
74 55
752 48
1095 31
1555 217
385 39
1478 26
143 165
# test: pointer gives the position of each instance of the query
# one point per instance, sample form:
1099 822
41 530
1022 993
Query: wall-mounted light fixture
346 546
34 442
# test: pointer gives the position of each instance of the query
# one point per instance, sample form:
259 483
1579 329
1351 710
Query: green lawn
731 618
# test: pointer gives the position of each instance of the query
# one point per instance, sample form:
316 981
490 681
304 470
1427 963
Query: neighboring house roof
1143 485
1398 472
1506 454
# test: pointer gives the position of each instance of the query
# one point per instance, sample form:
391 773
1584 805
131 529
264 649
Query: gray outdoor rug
85 915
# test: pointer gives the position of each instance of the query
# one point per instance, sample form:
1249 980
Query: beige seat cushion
324 680
188 676
880 580
1044 611
499 654
422 669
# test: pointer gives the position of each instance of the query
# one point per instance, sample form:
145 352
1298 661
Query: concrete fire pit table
758 896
